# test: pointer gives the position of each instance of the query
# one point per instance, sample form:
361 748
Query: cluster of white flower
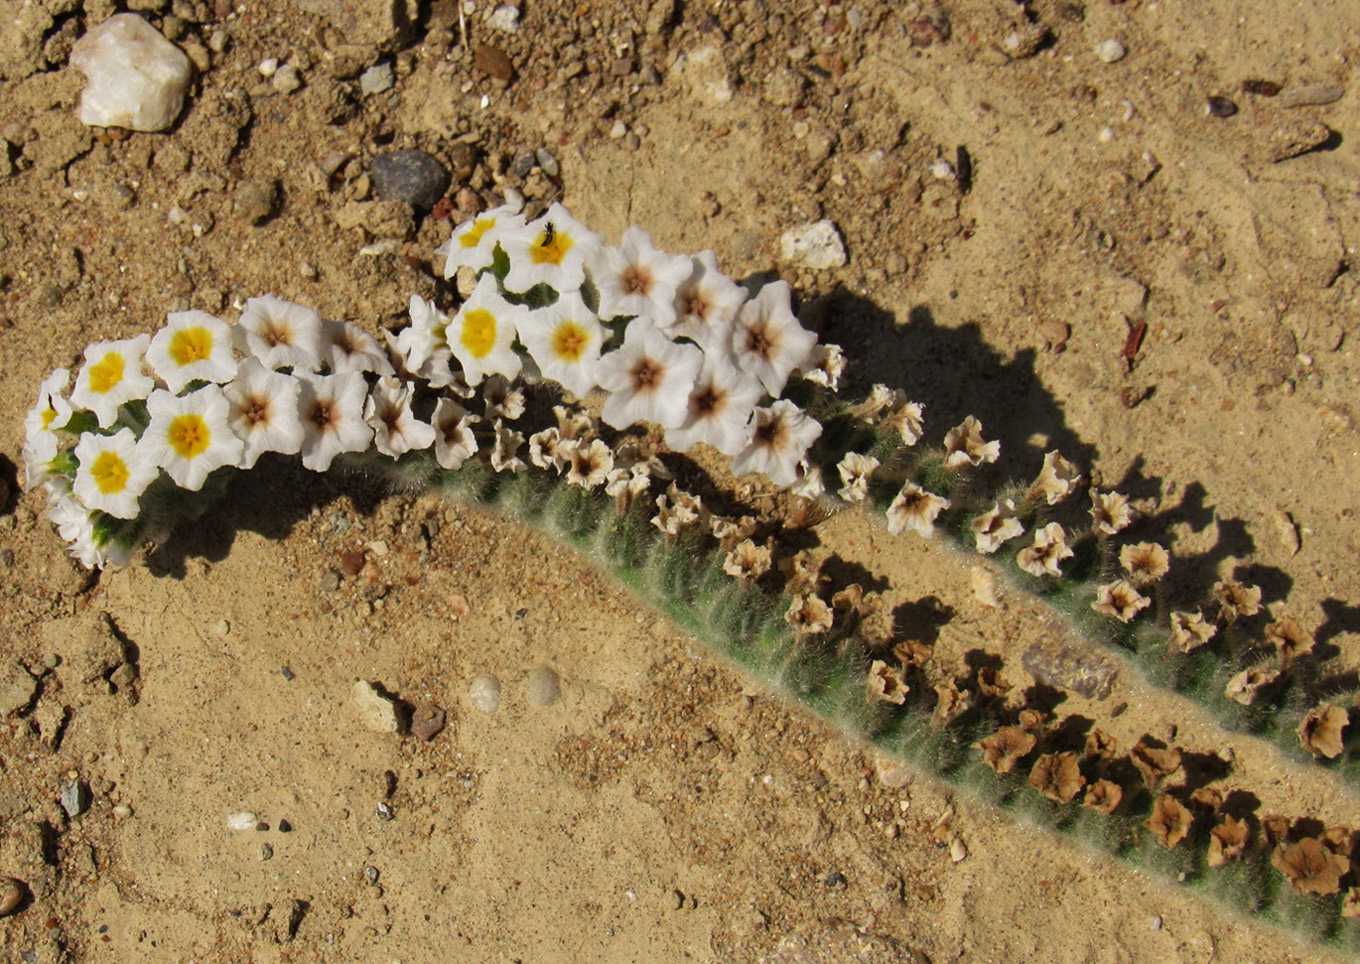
663 339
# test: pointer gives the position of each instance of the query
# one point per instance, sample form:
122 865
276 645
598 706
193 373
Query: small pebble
268 67
485 694
11 895
242 821
376 711
286 79
409 175
547 162
385 812
75 798
958 850
1110 51
545 686
371 874
285 826
1220 107
376 79
816 245
287 673
137 78
330 581
427 721
266 851
942 170
256 201
1260 88
122 811
504 18
1314 95
493 62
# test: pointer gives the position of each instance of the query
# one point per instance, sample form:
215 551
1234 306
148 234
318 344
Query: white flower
76 524
825 366
995 527
551 250
112 475
1057 478
348 348
474 242
963 445
281 334
890 406
112 374
546 451
192 345
589 464
1047 552
706 304
504 454
332 410
916 508
264 411
564 339
783 435
855 471
768 342
809 484
649 378
51 412
396 430
1110 512
454 442
720 407
424 344
482 334
189 435
636 279
39 456
501 400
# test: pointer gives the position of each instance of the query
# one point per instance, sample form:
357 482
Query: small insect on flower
112 474
192 345
635 279
551 250
264 411
112 374
189 435
915 508
281 334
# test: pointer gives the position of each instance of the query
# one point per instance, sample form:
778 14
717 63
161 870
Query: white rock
504 18
814 245
241 822
1110 51
376 711
137 78
485 694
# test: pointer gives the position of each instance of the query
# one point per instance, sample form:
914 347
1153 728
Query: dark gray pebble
1220 107
409 175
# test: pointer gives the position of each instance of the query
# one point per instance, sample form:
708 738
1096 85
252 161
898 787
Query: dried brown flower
1057 776
1236 600
1110 512
1100 745
803 573
915 508
913 652
1145 562
1321 729
1170 821
1190 631
809 615
1289 640
1210 797
729 532
1056 479
995 527
963 445
1120 600
747 561
1103 796
1339 840
1047 552
886 684
1310 867
992 683
1033 721
950 703
1227 841
1155 765
1276 827
1245 686
1004 748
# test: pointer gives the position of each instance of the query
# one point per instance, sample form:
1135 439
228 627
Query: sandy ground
664 808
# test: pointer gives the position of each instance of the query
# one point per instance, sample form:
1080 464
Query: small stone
1294 140
75 797
376 711
1287 530
376 79
493 62
546 162
137 78
266 851
409 175
11 895
484 693
545 686
285 826
1314 95
330 581
286 79
256 201
1220 107
122 811
427 721
816 245
268 67
523 163
463 157
958 850
242 821
1110 51
504 18
17 688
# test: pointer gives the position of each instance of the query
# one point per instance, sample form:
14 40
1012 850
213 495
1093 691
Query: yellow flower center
106 373
49 415
479 332
551 247
473 237
189 436
110 472
189 345
569 341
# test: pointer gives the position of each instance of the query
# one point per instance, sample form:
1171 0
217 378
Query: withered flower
1145 562
1155 765
809 615
729 532
1321 729
915 508
1170 821
1047 552
1120 600
992 683
1210 797
1103 796
1057 776
1339 840
963 445
1236 600
747 561
950 703
995 527
1310 867
1227 841
1245 686
1056 479
1289 640
1033 720
1004 748
803 573
1110 512
1100 745
1190 631
885 684
1276 827
913 652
